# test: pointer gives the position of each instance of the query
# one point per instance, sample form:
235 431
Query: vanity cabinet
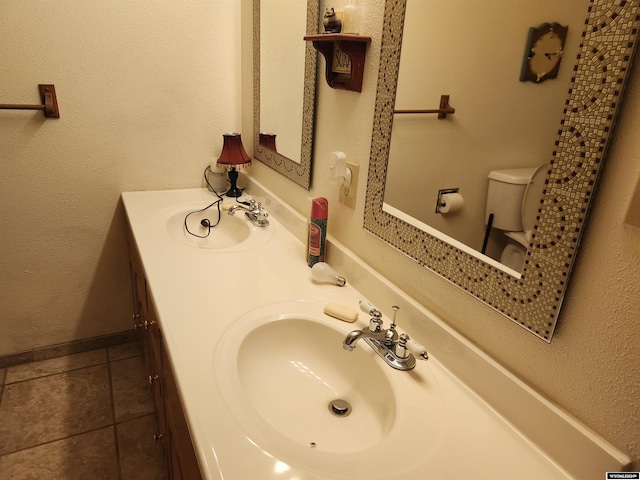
172 429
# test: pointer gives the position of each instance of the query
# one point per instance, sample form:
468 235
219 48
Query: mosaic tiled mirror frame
534 300
299 173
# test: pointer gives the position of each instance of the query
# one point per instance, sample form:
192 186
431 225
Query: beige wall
145 89
169 77
592 367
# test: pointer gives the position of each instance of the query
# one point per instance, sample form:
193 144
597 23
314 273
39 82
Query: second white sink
232 233
297 387
281 370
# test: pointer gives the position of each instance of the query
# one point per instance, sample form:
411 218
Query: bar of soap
341 312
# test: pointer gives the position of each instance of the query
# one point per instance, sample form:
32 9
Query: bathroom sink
232 233
299 387
298 395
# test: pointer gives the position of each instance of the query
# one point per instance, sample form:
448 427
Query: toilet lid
532 197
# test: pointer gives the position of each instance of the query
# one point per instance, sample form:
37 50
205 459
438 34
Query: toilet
514 198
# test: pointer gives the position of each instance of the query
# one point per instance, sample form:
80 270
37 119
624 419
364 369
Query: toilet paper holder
441 203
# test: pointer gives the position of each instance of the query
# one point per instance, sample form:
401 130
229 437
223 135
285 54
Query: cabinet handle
157 436
136 323
153 378
147 323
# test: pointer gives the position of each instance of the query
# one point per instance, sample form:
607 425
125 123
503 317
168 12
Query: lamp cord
205 222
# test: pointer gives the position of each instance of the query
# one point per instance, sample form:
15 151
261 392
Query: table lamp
233 156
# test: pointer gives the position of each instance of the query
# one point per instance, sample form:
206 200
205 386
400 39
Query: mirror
284 86
533 297
510 124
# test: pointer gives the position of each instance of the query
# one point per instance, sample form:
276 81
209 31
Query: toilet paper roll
451 203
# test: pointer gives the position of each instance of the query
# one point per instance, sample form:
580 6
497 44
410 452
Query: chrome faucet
254 212
394 349
374 332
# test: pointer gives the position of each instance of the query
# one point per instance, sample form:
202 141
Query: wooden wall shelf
354 46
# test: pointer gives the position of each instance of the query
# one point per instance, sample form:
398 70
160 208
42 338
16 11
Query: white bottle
350 18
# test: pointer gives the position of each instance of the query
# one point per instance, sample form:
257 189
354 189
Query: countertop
198 294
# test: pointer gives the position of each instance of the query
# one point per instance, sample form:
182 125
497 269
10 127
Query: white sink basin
282 368
293 387
232 233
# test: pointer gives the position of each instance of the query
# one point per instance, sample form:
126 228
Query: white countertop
199 293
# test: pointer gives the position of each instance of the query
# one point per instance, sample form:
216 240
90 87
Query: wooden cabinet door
157 380
172 431
181 445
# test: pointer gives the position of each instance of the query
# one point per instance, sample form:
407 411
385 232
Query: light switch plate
348 194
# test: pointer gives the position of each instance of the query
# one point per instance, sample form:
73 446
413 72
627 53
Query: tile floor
83 416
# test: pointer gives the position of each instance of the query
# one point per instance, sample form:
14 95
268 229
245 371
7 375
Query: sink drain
340 407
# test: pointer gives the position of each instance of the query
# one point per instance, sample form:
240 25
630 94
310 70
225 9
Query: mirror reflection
284 74
502 133
282 27
533 297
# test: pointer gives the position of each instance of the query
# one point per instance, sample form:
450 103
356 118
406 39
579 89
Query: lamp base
233 191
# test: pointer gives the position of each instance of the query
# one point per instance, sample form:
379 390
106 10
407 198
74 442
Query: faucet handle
401 348
407 346
375 324
261 212
369 309
247 200
417 349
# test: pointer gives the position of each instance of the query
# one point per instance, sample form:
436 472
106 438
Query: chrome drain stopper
339 407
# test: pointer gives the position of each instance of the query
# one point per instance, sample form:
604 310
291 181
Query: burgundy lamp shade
233 153
268 140
233 156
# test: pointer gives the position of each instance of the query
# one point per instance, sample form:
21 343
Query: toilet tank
505 195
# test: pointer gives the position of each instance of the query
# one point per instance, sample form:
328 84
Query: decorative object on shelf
331 22
354 47
268 140
49 100
233 156
350 17
544 50
341 63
